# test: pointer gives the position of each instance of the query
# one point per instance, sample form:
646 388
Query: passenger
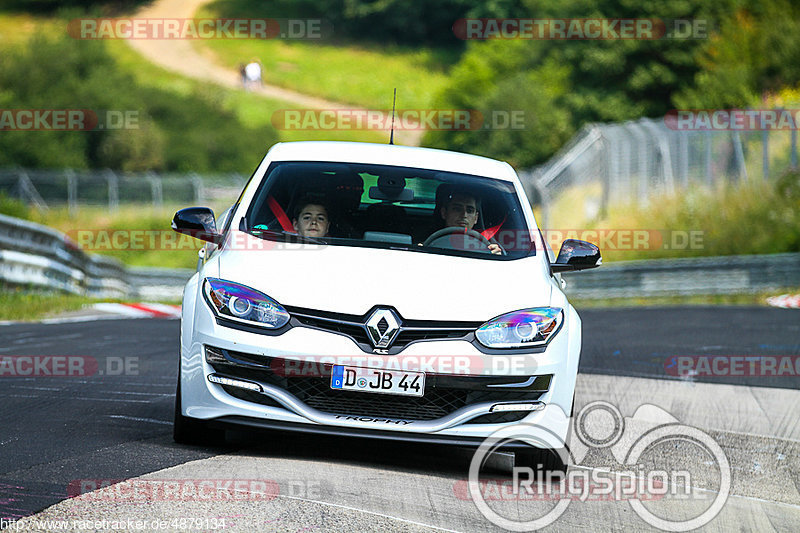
461 209
311 219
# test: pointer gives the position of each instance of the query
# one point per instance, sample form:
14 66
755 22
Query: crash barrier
35 255
696 275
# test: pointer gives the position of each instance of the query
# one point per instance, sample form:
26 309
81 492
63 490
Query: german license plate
380 381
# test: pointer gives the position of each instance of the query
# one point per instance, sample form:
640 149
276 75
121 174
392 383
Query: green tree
175 132
755 53
599 80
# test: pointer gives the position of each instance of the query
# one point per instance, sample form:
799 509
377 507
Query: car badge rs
382 328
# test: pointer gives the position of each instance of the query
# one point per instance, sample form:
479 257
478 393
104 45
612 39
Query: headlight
243 304
521 329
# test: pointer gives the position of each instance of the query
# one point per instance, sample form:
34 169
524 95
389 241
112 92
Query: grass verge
251 110
755 217
359 75
136 235
19 304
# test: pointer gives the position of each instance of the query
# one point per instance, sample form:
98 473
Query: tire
542 461
186 430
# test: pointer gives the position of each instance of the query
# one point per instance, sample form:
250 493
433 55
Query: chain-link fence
604 164
629 163
73 188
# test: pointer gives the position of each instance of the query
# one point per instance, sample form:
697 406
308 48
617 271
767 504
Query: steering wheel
468 234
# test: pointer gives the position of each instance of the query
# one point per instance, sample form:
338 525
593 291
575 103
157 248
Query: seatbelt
280 214
488 233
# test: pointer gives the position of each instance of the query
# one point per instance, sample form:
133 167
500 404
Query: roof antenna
394 100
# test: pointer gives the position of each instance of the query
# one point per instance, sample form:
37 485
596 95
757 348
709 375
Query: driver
461 210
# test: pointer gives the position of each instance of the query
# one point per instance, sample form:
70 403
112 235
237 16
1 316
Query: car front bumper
280 406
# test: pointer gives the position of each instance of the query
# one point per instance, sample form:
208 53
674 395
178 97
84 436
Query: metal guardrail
32 254
697 275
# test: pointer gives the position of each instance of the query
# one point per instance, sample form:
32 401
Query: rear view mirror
576 255
197 222
392 188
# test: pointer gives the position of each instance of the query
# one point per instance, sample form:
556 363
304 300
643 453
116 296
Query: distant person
243 75
252 73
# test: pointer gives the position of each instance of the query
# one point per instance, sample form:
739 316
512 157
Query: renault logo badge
382 327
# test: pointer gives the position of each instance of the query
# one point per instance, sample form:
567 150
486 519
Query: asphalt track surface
116 425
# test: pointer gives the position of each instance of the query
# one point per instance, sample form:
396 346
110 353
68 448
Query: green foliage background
175 133
751 50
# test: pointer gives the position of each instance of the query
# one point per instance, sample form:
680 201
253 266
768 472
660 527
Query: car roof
392 154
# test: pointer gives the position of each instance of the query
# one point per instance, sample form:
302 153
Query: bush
175 132
13 207
751 218
408 22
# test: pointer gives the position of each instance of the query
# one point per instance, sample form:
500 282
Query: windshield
419 210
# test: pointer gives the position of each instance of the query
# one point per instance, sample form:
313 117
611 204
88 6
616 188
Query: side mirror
576 255
197 222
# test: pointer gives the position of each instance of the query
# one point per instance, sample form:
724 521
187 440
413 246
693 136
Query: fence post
708 140
199 191
683 156
737 150
641 135
544 198
605 180
626 152
666 158
156 190
72 192
612 178
28 189
113 190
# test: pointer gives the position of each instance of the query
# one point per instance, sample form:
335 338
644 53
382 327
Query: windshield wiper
285 234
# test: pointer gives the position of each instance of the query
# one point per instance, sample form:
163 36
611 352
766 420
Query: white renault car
378 291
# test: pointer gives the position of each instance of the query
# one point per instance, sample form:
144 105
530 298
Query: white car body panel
353 280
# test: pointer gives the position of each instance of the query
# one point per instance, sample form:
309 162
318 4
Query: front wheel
543 461
186 430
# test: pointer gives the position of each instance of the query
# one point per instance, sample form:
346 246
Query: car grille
438 401
317 393
353 327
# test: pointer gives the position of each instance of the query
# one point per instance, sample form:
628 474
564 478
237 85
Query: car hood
418 285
